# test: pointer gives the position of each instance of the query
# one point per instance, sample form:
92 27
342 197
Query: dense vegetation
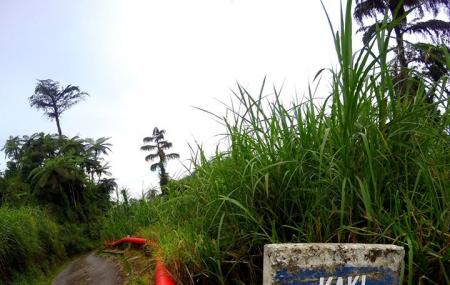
368 162
53 195
29 237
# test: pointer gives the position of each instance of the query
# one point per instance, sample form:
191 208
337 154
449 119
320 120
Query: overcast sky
147 63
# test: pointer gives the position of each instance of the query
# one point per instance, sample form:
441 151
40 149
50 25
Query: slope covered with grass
29 239
368 162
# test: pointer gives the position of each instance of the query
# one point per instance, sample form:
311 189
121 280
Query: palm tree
59 182
398 11
54 100
12 147
157 143
94 150
98 147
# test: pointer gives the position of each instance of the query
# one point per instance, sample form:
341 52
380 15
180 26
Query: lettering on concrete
332 264
341 276
340 280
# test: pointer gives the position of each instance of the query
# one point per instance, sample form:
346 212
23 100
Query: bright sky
146 63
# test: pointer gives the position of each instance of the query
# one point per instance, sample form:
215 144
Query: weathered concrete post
328 263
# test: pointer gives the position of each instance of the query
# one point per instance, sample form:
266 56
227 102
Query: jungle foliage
54 193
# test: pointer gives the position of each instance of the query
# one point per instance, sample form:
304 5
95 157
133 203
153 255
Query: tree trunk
55 111
163 178
400 50
59 126
398 13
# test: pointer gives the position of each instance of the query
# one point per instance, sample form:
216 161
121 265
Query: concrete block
332 264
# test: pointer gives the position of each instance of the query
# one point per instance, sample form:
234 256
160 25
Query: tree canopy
54 99
58 173
425 54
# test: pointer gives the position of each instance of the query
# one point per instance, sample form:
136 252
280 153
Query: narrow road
90 270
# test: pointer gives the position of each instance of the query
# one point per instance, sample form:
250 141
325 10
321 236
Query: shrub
29 238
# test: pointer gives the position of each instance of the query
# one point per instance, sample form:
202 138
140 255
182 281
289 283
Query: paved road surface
90 270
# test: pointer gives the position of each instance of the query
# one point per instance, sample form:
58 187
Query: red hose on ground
162 275
134 240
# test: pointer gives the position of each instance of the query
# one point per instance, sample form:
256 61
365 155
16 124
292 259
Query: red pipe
162 275
134 240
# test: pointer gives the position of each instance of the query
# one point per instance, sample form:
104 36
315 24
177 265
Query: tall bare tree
54 100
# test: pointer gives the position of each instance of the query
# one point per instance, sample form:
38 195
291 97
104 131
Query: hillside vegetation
367 162
363 157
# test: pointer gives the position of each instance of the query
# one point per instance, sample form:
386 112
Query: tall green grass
369 163
28 239
127 219
32 244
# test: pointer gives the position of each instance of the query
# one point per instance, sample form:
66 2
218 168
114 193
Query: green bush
28 238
